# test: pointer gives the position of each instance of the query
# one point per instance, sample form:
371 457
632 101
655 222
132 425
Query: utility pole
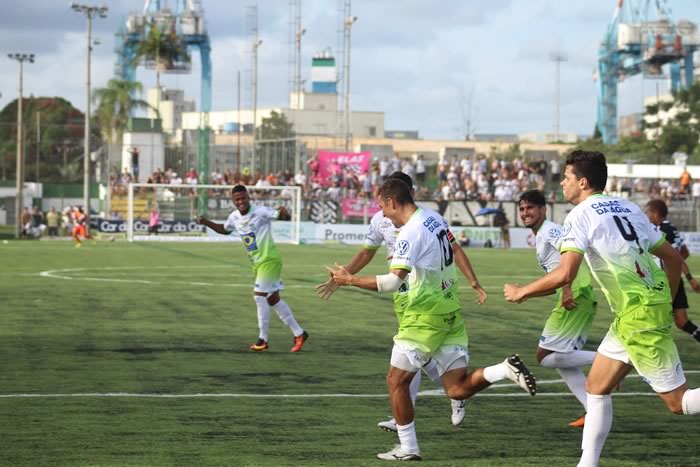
21 58
38 143
557 58
298 33
348 21
256 43
90 11
238 103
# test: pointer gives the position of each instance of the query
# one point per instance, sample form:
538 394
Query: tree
275 126
163 50
115 104
60 150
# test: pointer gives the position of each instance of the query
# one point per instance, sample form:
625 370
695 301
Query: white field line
430 393
75 274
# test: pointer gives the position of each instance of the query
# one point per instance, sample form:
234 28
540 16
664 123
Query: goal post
178 207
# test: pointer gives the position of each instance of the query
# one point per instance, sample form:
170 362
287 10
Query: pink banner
355 207
334 163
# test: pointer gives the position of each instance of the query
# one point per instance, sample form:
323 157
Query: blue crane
634 44
188 24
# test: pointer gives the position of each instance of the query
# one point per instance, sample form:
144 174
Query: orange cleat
259 346
579 423
299 342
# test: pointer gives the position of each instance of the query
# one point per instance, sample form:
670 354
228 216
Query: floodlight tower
634 44
21 58
90 12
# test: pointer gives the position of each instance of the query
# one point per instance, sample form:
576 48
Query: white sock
568 359
691 402
431 369
407 438
598 423
414 386
495 373
287 317
576 382
263 315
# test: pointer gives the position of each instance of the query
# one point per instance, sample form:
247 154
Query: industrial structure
637 44
188 27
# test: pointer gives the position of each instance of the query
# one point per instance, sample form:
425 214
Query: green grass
177 319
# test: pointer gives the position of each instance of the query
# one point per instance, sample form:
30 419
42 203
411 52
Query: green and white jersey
381 230
255 230
424 248
617 238
547 243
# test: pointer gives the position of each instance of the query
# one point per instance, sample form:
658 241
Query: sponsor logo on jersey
554 232
567 229
402 247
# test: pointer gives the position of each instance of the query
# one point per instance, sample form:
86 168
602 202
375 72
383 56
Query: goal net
179 206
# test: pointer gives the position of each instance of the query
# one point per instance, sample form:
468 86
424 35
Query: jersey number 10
446 247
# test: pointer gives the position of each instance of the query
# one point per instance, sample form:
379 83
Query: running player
618 241
432 325
80 227
657 212
382 230
566 329
253 224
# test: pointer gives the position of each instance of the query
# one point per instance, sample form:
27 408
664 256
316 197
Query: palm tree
163 51
115 104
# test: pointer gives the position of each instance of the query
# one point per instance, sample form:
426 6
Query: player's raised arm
564 274
218 228
361 259
465 267
381 283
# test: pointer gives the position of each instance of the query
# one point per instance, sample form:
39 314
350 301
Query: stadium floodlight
21 58
90 11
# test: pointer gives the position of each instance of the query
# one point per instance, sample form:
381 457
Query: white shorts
447 357
661 380
268 287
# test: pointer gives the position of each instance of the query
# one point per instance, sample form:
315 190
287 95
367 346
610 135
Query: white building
312 113
171 107
547 137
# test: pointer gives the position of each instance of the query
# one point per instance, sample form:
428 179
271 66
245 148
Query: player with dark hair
253 224
431 325
657 212
382 230
566 330
618 242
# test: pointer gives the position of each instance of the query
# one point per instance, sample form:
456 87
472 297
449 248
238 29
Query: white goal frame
295 212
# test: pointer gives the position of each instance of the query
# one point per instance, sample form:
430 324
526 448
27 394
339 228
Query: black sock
692 329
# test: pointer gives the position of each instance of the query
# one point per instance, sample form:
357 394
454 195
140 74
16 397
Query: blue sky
412 59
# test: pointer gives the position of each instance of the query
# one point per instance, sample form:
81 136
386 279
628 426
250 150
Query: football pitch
120 354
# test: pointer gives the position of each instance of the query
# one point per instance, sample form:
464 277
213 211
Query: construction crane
636 44
187 22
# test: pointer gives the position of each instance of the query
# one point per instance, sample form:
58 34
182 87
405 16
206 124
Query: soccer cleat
458 411
388 425
518 373
299 342
78 245
578 423
259 346
398 454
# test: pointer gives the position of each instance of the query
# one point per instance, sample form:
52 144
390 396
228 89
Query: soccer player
80 227
432 325
618 241
657 212
382 230
253 224
566 330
